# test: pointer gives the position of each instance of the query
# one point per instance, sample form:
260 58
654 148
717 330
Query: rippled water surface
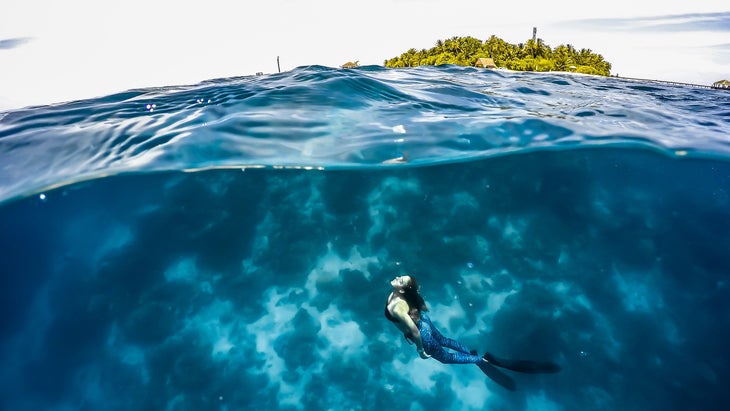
322 117
229 245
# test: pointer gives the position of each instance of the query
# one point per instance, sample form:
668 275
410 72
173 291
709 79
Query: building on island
722 84
485 62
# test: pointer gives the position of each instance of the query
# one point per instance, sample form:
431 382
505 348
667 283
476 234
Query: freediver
406 309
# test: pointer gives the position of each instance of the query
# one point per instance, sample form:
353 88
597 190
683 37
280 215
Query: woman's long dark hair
413 297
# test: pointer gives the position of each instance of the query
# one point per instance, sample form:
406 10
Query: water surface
228 245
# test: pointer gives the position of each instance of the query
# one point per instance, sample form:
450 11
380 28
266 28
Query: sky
53 51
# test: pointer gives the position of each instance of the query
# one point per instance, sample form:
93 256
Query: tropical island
534 55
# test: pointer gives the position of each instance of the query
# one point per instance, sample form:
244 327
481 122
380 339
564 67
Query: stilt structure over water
677 83
721 85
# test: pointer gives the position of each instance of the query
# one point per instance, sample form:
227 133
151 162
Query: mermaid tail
497 376
489 367
524 366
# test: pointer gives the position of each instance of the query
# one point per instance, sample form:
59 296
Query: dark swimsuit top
388 315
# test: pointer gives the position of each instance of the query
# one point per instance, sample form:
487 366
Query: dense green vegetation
534 55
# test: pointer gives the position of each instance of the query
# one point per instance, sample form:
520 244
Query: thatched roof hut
350 64
485 62
722 84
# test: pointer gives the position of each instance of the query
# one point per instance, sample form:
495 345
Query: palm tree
532 55
563 57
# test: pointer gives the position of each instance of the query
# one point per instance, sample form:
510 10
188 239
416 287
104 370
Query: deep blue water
228 245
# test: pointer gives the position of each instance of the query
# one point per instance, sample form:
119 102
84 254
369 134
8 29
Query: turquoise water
228 245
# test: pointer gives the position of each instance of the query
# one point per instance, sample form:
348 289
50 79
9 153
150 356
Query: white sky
76 49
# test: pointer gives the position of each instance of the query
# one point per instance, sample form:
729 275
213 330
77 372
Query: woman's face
402 281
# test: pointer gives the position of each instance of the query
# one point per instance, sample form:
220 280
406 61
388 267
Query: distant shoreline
494 52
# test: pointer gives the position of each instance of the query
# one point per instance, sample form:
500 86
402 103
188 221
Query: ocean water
229 245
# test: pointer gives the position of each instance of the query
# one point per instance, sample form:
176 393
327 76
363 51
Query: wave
322 117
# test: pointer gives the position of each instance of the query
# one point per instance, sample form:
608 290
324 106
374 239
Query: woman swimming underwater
406 309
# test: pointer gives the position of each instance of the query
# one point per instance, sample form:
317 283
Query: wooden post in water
277 64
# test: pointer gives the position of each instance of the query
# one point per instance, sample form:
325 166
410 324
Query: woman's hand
422 354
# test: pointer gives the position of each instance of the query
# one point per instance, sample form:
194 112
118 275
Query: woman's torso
393 299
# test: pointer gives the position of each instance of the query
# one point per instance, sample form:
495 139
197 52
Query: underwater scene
230 245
